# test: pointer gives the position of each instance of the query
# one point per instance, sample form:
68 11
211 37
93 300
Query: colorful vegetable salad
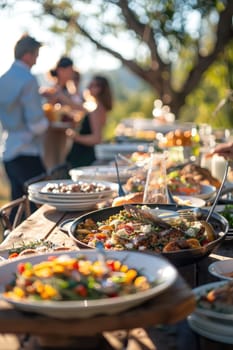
65 278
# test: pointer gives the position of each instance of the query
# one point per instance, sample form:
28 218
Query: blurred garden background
178 51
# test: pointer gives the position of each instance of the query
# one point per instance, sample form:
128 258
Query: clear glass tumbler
156 181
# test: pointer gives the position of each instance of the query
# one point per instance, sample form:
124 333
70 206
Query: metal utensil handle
121 191
218 193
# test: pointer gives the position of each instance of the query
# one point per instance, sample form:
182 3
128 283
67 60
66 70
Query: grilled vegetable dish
138 229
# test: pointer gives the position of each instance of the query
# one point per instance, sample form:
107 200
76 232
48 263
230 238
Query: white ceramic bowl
222 269
154 267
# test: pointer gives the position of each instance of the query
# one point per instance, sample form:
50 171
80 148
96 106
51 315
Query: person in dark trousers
22 117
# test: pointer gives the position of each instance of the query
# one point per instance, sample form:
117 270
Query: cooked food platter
214 300
117 230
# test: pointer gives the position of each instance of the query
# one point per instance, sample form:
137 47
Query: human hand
71 133
224 150
50 93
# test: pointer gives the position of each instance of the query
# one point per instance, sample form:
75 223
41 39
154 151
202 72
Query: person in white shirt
22 118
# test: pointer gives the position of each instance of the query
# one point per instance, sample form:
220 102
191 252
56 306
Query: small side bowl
222 269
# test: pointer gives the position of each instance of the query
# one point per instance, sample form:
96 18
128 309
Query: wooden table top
172 306
43 225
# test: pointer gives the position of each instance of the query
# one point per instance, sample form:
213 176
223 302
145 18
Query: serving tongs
146 216
121 191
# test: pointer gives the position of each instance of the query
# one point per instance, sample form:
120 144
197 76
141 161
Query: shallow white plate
189 201
206 192
37 187
63 206
103 172
211 330
213 325
64 200
108 151
211 313
153 266
220 268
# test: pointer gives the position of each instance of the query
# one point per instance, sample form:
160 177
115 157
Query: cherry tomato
110 264
81 290
21 268
108 246
101 236
52 257
127 227
75 265
13 255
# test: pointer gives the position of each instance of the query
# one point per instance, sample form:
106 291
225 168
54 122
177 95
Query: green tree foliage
182 49
163 34
134 104
212 101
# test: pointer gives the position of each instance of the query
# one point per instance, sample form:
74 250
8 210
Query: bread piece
136 197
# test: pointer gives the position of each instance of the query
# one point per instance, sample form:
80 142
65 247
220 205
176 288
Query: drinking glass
156 180
218 166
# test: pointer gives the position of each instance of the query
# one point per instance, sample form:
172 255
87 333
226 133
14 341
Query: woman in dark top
56 143
90 133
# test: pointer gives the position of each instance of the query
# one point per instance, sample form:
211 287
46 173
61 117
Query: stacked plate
211 323
101 172
50 192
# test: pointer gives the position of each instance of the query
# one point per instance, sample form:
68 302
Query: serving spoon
193 213
219 192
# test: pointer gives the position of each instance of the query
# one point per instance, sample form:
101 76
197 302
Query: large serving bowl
178 258
156 269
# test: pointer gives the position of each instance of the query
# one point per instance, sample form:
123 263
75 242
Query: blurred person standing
62 100
73 87
59 75
22 117
65 86
90 132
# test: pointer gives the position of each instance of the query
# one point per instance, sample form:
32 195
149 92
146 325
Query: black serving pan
178 258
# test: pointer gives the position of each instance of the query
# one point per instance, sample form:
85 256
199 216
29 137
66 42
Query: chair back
21 209
59 172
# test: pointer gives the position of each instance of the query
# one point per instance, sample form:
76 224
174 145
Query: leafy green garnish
228 214
31 245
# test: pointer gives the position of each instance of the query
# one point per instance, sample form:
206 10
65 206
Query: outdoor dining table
101 331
